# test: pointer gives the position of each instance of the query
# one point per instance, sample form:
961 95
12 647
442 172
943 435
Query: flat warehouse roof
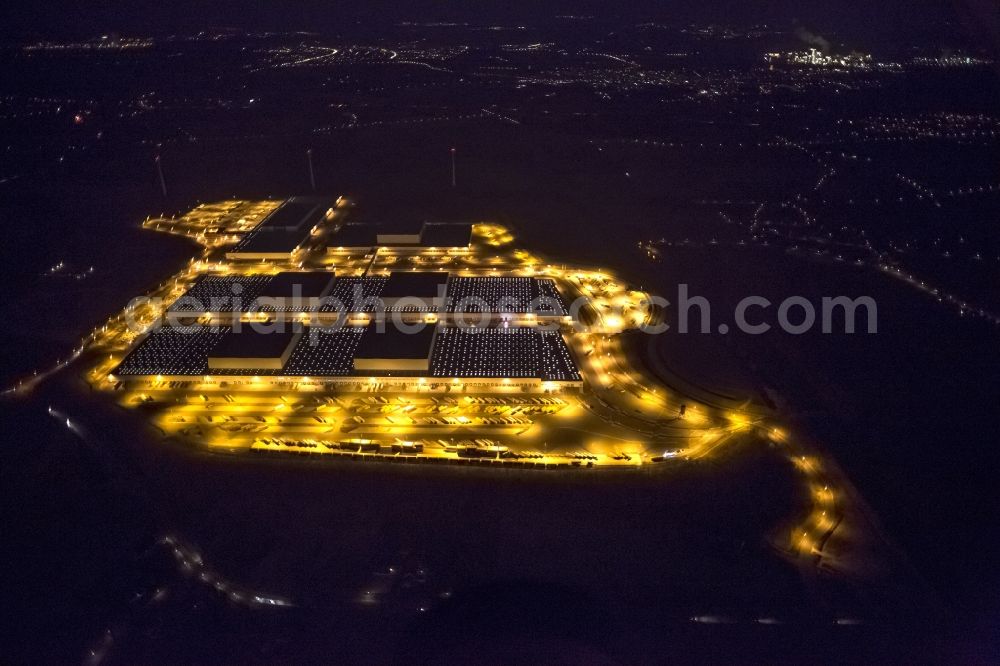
430 234
255 341
398 228
297 213
303 283
356 294
422 285
354 235
277 241
391 342
441 234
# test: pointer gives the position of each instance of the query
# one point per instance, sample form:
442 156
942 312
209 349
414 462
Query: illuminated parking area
509 358
318 393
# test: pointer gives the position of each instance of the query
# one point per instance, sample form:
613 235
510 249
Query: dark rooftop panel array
304 284
296 214
421 285
440 234
388 341
354 235
255 341
270 242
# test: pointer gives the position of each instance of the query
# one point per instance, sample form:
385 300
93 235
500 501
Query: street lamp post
159 170
312 175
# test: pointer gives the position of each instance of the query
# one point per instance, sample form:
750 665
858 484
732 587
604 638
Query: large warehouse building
411 295
405 325
286 231
401 238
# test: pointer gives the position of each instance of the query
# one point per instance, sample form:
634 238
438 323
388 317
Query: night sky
872 20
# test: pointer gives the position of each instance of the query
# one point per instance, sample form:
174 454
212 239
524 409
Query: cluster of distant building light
816 58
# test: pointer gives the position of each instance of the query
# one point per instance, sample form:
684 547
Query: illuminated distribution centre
302 329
